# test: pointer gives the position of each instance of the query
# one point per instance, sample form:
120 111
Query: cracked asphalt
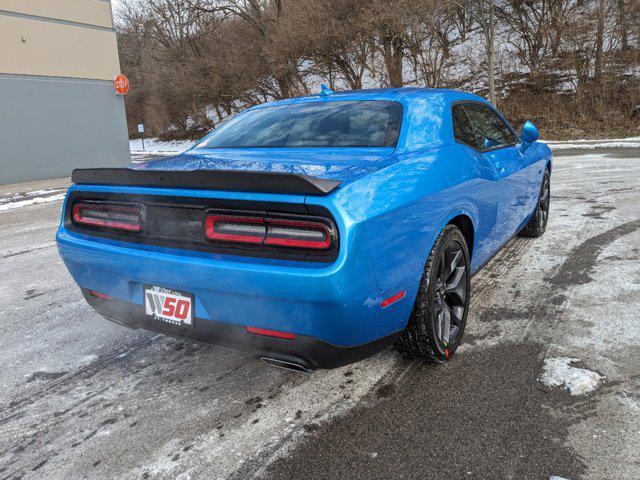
83 398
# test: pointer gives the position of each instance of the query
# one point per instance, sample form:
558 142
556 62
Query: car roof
404 94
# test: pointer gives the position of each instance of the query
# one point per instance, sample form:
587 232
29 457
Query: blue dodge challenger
312 231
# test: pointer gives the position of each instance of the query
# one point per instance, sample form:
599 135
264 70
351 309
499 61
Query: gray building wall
58 108
49 126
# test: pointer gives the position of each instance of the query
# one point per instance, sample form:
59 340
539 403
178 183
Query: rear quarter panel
406 205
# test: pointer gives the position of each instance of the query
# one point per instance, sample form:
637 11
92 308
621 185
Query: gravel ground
83 398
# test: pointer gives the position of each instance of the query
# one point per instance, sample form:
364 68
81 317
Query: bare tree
194 62
536 27
485 15
336 37
431 37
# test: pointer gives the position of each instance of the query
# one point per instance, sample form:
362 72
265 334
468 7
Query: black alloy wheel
439 314
450 303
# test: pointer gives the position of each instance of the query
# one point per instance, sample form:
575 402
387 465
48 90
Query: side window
462 129
490 129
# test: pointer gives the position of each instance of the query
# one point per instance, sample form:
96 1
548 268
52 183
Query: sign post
141 130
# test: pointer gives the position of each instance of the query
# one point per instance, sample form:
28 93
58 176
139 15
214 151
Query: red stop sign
121 84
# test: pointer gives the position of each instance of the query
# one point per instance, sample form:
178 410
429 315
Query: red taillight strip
299 243
210 228
103 296
79 218
393 299
276 231
270 333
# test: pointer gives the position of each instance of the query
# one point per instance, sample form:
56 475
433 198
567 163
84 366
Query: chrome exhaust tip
297 367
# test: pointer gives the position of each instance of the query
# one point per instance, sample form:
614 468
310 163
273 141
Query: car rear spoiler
233 180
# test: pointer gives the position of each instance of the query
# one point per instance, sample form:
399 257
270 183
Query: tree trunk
486 19
490 55
393 53
284 85
600 42
622 19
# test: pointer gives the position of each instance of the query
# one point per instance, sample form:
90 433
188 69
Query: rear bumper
338 304
306 352
332 307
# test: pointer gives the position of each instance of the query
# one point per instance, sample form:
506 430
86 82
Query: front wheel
439 314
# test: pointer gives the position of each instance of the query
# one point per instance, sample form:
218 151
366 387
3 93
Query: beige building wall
58 38
89 12
58 108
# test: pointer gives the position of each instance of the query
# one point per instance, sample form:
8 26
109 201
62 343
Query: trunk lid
343 164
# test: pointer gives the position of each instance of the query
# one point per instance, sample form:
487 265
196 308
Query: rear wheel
440 312
538 223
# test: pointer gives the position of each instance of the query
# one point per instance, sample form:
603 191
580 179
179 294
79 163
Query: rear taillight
298 234
229 228
108 215
279 232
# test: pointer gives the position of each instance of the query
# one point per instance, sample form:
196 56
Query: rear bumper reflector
270 333
103 296
393 299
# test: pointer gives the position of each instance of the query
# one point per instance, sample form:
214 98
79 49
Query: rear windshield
368 123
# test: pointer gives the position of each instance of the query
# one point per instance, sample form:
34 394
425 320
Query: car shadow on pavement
485 415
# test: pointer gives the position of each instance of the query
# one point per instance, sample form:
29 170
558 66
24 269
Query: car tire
445 282
537 225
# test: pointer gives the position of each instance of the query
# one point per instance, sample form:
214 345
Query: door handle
499 167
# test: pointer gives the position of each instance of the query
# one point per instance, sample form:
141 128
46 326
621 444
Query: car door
485 192
499 144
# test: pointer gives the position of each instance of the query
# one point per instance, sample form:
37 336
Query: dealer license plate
169 306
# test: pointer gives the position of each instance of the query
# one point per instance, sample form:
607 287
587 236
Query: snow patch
153 146
558 372
595 140
31 201
629 402
584 144
89 359
593 146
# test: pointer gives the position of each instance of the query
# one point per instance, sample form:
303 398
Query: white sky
115 4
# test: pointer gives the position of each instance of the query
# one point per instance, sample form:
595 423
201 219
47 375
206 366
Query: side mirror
489 143
529 133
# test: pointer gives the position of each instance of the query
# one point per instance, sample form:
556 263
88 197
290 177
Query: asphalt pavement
83 398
